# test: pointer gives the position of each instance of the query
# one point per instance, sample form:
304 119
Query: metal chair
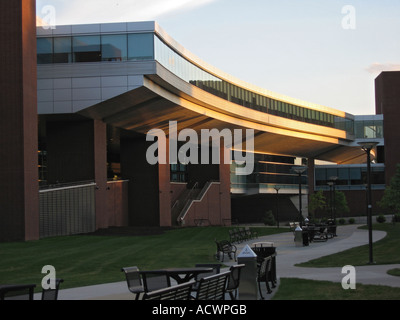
52 294
234 280
134 281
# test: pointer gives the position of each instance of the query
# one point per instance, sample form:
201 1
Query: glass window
44 50
114 48
140 46
62 50
87 49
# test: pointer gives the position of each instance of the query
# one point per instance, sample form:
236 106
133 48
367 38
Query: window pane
44 50
87 49
114 48
63 50
140 46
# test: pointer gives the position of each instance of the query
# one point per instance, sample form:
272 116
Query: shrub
269 219
396 218
352 221
342 221
381 219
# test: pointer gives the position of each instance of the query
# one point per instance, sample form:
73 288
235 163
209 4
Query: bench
225 247
178 292
213 287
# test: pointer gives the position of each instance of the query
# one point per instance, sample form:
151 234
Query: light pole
333 180
367 146
277 202
300 171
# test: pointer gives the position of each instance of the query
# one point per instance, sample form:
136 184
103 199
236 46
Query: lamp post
367 146
277 207
330 184
333 180
300 171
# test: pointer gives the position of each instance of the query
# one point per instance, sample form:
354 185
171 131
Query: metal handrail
189 203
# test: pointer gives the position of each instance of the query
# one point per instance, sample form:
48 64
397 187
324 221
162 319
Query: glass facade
147 46
204 80
369 129
349 177
95 48
269 171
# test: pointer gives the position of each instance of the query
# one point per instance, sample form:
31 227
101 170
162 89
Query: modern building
103 89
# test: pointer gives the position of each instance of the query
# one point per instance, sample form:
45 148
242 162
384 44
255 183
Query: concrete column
225 187
19 194
164 186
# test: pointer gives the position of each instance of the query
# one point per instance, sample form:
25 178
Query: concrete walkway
287 256
348 237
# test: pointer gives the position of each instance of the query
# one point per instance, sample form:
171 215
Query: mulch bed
130 231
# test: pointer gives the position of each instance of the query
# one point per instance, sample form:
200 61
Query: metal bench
213 287
178 292
225 247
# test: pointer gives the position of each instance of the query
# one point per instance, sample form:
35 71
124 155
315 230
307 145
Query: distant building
102 87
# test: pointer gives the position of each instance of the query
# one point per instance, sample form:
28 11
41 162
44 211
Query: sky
325 52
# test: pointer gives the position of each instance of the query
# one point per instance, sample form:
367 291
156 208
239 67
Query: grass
385 251
300 289
88 260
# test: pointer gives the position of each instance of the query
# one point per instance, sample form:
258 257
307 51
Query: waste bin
248 277
298 237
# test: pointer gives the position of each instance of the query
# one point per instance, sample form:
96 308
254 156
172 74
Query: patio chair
234 280
134 281
52 294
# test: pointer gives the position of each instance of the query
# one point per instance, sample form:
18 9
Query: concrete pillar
19 194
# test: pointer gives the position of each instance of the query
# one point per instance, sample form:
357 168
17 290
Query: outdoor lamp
367 146
300 171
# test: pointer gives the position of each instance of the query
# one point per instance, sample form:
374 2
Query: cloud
380 67
100 11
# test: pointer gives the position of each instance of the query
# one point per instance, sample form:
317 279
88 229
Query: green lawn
300 289
385 251
87 260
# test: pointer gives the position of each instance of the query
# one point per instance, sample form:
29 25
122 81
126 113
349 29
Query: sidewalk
287 256
348 237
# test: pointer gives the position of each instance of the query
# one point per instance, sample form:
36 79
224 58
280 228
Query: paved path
348 237
287 256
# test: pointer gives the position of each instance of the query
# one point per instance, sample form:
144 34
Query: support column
143 194
225 187
19 193
164 185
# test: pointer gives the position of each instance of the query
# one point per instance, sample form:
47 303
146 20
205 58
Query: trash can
248 277
298 237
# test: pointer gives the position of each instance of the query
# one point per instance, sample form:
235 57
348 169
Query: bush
269 219
381 219
352 221
342 221
396 218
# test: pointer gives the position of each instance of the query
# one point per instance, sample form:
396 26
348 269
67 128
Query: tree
341 206
391 197
317 201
